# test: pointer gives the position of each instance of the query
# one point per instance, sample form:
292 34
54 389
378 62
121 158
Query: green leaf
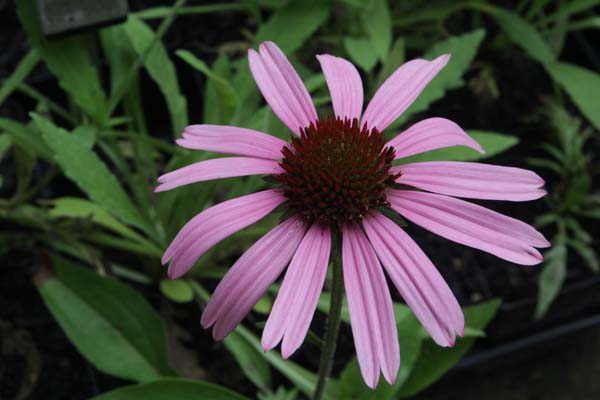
75 207
523 34
582 85
300 377
26 65
377 23
5 144
493 143
172 389
221 98
69 60
27 138
394 60
462 49
250 360
434 361
291 25
84 168
361 52
178 290
113 326
552 276
160 68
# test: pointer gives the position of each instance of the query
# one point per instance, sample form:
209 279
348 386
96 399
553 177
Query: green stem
333 327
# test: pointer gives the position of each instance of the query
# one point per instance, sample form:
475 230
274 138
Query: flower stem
333 327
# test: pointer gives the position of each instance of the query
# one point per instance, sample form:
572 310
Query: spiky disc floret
336 171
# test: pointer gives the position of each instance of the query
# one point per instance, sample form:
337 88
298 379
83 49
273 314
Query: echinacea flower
337 174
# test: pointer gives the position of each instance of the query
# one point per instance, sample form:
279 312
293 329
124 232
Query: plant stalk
332 329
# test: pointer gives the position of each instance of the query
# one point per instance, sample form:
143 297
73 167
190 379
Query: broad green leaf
377 23
84 168
69 60
434 360
178 290
552 276
113 326
86 134
582 85
292 25
493 143
523 34
172 389
26 65
221 98
27 138
462 50
160 68
250 360
361 52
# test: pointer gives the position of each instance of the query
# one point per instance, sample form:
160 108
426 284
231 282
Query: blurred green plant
571 200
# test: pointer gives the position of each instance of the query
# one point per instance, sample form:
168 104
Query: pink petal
472 180
345 86
417 280
471 225
281 87
231 140
399 91
215 224
217 168
370 306
299 293
250 277
431 134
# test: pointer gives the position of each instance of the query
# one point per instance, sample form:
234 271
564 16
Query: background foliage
85 163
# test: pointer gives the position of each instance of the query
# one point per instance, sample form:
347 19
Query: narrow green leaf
27 138
377 23
493 143
523 34
26 65
84 168
462 50
300 377
172 389
75 207
69 60
552 276
250 359
221 98
110 324
434 361
160 68
291 25
582 85
361 52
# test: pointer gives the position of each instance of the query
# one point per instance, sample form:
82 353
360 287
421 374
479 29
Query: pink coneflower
336 175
